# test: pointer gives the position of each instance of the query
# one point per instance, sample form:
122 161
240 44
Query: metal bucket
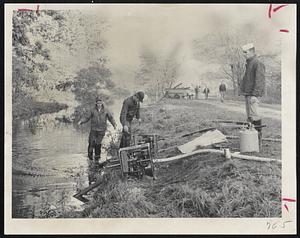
249 140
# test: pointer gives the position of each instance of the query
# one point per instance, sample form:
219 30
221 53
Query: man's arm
124 113
259 83
137 115
111 119
85 119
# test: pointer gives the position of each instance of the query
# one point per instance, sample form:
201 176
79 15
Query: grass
203 186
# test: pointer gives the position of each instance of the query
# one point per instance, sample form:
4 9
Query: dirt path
238 106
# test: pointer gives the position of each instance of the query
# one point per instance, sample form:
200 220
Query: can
227 153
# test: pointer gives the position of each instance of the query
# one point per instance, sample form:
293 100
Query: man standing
98 116
197 88
130 109
253 86
206 92
222 90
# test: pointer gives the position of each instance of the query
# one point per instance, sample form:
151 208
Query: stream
49 165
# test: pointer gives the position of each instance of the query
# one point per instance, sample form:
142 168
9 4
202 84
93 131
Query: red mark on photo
29 10
271 10
279 7
288 200
284 30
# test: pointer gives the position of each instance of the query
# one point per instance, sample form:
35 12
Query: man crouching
130 109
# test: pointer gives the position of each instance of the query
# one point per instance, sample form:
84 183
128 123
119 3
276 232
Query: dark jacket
253 83
99 119
206 90
222 87
130 109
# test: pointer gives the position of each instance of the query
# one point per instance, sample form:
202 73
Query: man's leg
247 103
254 106
90 151
91 144
99 138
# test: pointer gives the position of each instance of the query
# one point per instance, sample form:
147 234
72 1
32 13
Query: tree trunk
233 80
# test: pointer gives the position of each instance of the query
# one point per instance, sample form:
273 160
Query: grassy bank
207 185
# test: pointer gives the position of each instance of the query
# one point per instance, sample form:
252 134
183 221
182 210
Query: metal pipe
233 155
264 139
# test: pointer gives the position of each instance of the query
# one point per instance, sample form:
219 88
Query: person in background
197 88
222 90
98 116
206 92
252 86
130 109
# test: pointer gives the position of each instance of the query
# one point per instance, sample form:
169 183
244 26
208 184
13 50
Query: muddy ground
206 185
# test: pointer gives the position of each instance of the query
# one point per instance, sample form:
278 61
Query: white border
165 225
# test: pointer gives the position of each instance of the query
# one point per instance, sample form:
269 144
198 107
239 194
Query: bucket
249 140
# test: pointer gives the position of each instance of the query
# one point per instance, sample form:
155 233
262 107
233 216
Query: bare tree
158 72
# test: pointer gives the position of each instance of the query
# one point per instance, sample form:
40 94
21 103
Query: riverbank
29 108
205 186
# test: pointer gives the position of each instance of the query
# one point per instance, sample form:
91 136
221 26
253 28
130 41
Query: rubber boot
97 152
90 151
125 140
258 127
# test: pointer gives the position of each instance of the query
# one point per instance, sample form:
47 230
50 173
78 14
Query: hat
140 95
247 46
98 99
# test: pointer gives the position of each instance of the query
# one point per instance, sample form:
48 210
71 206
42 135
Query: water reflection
50 164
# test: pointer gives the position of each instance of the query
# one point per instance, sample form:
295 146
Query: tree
92 82
224 49
30 57
157 72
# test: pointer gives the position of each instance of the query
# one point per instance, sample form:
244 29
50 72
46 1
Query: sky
161 27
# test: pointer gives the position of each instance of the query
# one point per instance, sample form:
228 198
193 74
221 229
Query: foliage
224 49
54 52
157 72
31 32
118 198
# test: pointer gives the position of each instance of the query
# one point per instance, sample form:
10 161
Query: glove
139 120
126 129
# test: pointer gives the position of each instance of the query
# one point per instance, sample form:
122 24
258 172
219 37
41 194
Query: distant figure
197 88
130 109
98 116
253 86
222 90
206 92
